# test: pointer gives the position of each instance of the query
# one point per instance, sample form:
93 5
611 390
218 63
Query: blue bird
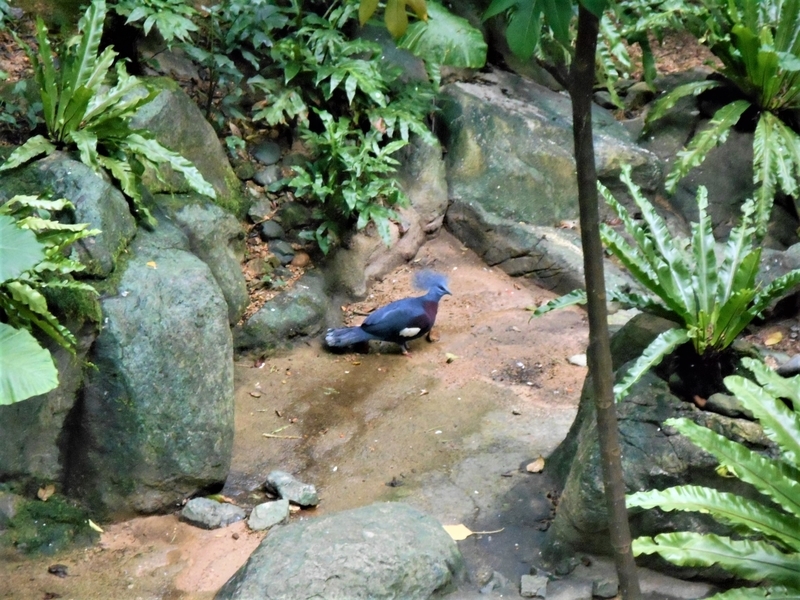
400 321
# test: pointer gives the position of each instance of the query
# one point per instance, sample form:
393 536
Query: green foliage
172 18
35 261
712 300
49 527
771 550
82 112
759 47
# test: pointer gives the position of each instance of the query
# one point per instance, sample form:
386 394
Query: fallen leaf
699 401
450 357
536 466
255 394
152 264
44 493
423 392
773 338
461 532
95 526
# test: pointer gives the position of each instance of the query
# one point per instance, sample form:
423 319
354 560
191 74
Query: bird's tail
346 336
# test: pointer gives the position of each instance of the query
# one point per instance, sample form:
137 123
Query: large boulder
653 456
96 202
382 551
176 122
156 421
510 149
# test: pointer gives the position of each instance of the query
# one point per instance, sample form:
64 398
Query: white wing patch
410 331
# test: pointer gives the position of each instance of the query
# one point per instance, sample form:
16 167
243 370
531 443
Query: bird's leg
404 349
432 338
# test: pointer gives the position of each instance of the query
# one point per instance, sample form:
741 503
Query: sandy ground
451 438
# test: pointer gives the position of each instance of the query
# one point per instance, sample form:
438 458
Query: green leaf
778 386
748 559
771 592
596 7
665 343
28 369
572 298
661 106
19 249
704 275
558 15
726 508
91 28
499 6
32 148
524 29
713 135
445 39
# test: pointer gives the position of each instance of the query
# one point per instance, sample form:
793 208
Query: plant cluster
35 264
82 111
711 300
769 547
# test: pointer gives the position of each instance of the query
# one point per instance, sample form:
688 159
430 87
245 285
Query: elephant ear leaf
19 248
28 369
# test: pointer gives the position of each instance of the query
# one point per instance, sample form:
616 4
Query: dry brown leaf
536 466
44 493
773 338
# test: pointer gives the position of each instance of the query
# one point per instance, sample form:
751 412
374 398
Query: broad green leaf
660 347
748 559
91 28
524 29
596 7
366 9
558 15
572 298
45 74
704 274
772 478
778 386
22 293
781 424
725 507
776 288
713 135
32 148
19 249
665 103
759 593
28 369
394 15
497 7
445 39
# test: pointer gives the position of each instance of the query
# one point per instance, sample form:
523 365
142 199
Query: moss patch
48 527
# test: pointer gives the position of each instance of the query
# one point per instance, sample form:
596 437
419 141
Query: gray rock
210 514
727 405
268 515
9 505
270 230
282 250
579 360
497 581
423 178
267 176
287 487
157 416
175 121
790 367
267 153
293 215
533 586
260 210
215 237
383 551
569 589
300 311
607 587
96 201
510 149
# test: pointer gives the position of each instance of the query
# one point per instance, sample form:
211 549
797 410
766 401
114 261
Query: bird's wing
393 318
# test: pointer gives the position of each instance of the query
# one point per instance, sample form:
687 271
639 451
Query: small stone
569 589
293 215
790 367
260 210
496 581
301 259
268 175
245 170
579 360
283 250
268 514
286 486
533 586
210 514
58 570
605 588
267 153
729 406
270 230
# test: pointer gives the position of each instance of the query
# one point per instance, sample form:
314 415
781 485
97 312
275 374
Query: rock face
156 422
176 122
382 551
653 457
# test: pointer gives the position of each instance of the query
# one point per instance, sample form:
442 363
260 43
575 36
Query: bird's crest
426 280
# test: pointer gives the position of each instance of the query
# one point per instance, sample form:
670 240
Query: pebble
533 586
268 515
210 514
579 360
286 486
267 153
790 367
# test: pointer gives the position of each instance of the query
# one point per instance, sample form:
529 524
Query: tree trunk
599 352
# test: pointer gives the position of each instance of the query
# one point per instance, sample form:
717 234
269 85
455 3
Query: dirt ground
451 438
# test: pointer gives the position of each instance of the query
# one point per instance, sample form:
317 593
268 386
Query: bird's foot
431 337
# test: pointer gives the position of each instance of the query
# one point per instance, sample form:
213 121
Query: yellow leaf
773 338
450 357
366 9
457 532
152 264
461 532
420 9
44 493
95 526
395 17
536 466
